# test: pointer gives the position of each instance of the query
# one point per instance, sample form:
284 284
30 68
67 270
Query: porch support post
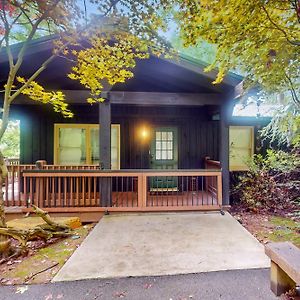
225 115
105 150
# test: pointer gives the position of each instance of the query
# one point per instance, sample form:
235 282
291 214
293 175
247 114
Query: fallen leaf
49 297
120 294
21 289
60 296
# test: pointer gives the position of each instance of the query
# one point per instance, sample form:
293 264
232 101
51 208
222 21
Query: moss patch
281 230
56 254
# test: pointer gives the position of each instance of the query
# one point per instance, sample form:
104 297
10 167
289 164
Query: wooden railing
122 190
211 184
212 164
12 161
14 182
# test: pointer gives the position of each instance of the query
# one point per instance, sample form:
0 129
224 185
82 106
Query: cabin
159 142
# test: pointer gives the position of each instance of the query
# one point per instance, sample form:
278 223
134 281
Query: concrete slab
163 244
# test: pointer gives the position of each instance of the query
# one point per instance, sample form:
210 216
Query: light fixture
144 133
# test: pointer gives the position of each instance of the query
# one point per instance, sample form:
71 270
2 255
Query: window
164 145
78 144
241 143
10 142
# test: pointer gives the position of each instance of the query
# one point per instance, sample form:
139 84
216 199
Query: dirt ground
43 260
268 227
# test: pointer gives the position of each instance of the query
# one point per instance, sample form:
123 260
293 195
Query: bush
272 182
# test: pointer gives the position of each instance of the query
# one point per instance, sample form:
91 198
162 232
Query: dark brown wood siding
198 135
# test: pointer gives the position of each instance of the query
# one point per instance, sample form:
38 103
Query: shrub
272 182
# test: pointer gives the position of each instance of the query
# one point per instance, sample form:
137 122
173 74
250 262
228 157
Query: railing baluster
65 191
71 192
59 193
95 191
83 190
117 191
89 190
31 191
202 190
47 193
13 184
77 192
53 191
187 190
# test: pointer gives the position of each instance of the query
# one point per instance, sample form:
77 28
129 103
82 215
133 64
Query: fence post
140 190
39 164
39 184
144 195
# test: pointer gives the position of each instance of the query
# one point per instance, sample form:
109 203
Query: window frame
88 128
241 167
167 149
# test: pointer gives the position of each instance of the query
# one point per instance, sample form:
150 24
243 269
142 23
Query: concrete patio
163 244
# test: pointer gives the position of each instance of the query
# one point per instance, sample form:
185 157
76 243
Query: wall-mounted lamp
144 133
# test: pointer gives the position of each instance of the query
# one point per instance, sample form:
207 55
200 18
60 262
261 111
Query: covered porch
142 149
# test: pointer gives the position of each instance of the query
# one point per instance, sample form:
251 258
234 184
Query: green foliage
203 50
261 38
37 93
272 182
10 143
107 62
284 128
274 161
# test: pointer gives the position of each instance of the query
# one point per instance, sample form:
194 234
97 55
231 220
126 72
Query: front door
164 155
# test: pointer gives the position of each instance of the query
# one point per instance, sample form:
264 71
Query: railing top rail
121 173
124 171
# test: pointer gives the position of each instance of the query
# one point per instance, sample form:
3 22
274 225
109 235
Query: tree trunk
5 246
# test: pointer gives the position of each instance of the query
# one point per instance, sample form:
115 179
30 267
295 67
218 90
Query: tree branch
32 78
293 91
31 35
295 43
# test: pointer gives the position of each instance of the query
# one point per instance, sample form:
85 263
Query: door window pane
164 145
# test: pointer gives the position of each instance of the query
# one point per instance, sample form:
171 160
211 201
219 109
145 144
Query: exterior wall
198 135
